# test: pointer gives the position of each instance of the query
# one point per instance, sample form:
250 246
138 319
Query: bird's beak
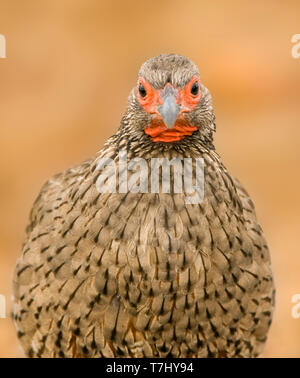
169 110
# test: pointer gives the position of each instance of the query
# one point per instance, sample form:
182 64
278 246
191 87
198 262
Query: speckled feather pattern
143 274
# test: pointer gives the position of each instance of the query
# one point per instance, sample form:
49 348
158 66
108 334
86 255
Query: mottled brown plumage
145 274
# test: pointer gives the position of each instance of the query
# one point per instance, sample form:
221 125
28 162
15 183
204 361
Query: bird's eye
142 90
195 89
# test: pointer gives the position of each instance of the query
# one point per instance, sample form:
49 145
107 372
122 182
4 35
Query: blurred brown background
63 88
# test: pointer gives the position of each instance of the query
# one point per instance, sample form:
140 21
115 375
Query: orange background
63 87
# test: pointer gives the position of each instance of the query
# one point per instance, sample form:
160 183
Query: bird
146 273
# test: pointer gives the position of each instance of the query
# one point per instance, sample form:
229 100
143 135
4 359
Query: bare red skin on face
160 133
157 130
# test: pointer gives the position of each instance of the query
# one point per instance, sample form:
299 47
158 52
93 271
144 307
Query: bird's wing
261 257
47 216
250 215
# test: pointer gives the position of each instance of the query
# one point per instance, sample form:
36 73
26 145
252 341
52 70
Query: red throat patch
160 133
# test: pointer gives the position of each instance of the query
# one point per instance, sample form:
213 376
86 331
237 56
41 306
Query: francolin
146 273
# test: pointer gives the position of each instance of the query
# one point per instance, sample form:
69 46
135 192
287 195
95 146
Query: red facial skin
157 130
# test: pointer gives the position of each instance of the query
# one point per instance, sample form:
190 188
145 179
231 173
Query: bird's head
169 101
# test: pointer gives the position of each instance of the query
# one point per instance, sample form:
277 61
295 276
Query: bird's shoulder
55 192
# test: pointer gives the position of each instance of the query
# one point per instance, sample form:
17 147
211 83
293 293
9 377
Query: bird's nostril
168 90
